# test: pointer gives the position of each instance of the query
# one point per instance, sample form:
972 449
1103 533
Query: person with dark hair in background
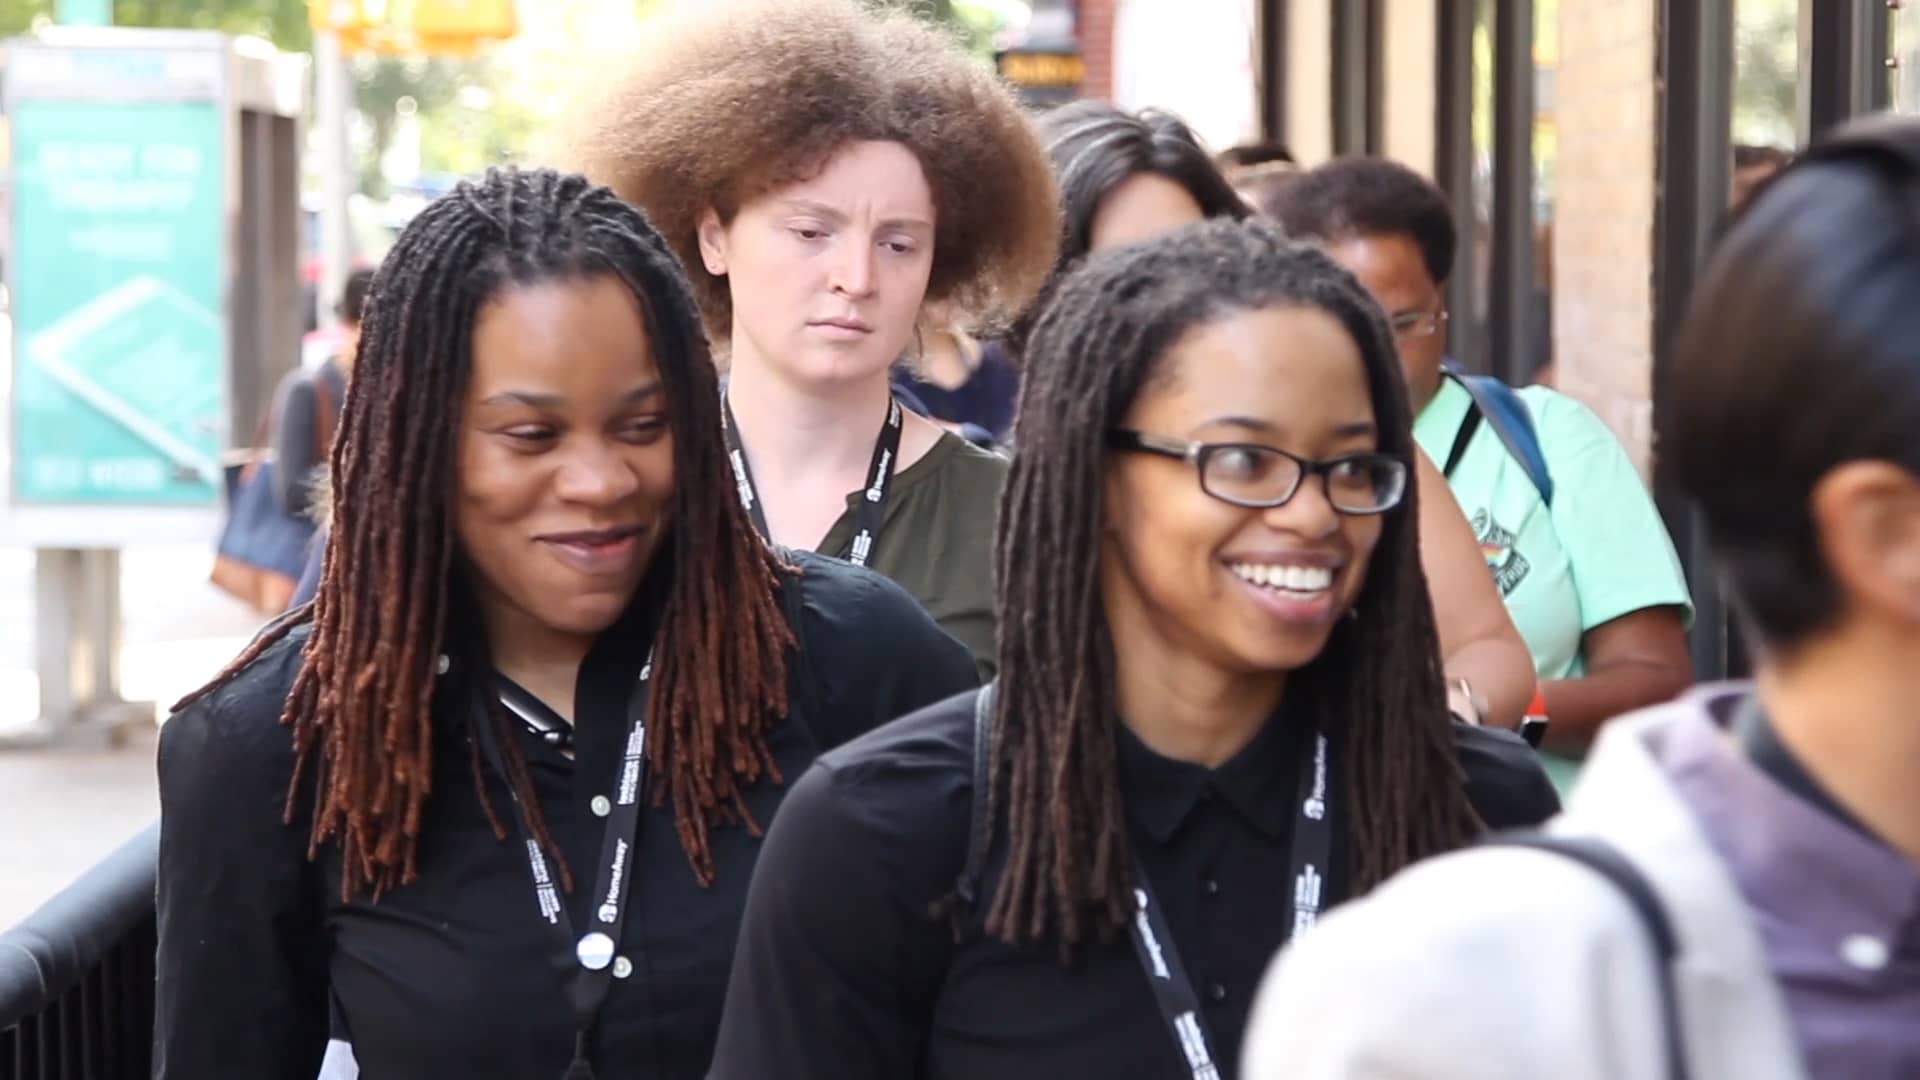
1752 166
1774 826
310 402
495 795
829 175
1218 711
1568 528
1124 177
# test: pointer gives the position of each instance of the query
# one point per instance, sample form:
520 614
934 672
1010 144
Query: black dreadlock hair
361 705
1377 687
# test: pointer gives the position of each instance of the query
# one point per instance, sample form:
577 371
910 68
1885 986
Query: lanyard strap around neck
1311 853
587 962
872 510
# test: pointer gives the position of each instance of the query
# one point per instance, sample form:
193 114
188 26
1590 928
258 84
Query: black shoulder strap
1607 861
980 816
1462 440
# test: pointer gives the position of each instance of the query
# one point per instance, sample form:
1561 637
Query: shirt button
1866 952
1216 993
1210 887
601 807
622 967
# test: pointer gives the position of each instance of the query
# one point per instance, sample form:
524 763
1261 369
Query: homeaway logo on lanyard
883 463
1316 805
610 907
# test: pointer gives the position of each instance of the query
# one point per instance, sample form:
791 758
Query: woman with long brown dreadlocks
1218 710
544 703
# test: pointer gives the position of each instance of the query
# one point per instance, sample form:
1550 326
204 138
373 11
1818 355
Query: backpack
262 551
1500 407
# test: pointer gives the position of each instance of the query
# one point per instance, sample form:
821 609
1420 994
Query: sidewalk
62 810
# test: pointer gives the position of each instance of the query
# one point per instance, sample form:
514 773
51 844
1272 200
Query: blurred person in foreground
1776 824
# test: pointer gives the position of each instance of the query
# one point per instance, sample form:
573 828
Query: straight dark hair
1095 146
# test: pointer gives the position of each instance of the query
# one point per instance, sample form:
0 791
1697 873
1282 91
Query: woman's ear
713 242
1866 515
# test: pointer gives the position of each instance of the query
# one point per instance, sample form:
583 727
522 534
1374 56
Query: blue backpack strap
1512 421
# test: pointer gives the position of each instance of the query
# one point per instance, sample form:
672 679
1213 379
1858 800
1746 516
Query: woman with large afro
828 174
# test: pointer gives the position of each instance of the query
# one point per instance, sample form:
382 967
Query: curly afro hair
728 101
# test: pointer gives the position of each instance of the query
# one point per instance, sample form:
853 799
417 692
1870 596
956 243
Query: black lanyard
873 504
1311 852
587 962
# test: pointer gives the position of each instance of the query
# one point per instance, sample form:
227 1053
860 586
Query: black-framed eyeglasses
1260 476
1417 324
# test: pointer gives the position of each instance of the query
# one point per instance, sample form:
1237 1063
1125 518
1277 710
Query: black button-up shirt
456 974
843 973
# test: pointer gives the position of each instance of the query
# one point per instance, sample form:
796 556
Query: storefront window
1905 52
1766 41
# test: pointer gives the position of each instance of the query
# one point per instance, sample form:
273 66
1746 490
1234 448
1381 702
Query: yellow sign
1043 68
415 26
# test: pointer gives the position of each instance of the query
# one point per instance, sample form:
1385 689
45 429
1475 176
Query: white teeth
1290 578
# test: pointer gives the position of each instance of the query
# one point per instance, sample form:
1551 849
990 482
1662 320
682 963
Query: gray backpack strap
1607 861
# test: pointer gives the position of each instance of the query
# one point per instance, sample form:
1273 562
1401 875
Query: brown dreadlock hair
361 706
1376 689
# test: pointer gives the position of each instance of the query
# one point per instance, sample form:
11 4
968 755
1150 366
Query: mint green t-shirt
1599 553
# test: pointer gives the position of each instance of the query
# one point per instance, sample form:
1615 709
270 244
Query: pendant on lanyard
588 963
872 510
1173 992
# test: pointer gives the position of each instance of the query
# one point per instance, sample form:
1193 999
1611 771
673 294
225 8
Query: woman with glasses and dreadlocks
496 793
837 182
1128 176
1219 707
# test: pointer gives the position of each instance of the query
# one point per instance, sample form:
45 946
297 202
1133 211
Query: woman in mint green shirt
1591 580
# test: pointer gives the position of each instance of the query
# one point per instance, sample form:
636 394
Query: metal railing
77 977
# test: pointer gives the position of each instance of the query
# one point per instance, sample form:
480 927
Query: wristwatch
1533 726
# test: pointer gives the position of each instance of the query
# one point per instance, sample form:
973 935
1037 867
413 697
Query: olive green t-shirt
937 538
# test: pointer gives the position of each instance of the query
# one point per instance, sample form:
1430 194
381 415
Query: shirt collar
1258 782
1804 866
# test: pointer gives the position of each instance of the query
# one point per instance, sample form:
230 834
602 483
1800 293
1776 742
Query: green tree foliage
283 22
